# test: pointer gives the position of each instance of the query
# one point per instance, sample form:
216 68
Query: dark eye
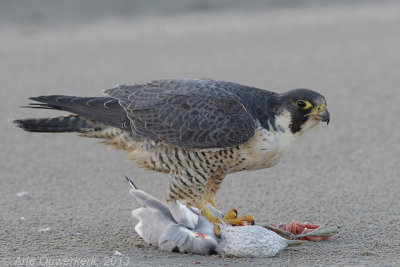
301 103
304 104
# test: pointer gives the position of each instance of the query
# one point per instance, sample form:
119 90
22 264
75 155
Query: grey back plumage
184 113
189 113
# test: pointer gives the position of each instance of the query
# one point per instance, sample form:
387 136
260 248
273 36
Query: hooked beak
321 113
324 116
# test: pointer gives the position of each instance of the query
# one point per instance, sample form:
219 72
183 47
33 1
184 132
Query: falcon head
302 109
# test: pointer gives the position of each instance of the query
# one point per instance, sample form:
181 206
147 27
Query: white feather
158 225
249 241
183 215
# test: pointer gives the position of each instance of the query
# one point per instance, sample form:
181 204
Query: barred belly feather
196 174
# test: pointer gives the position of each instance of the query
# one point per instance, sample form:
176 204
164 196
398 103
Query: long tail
88 114
72 123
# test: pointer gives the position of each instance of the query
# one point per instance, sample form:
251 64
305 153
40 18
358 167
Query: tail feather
71 123
102 109
88 114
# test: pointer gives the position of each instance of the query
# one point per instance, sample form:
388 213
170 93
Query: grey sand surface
346 173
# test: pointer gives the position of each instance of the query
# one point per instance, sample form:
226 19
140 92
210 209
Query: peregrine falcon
196 130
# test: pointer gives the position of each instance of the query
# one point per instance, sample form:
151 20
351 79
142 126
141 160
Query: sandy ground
346 173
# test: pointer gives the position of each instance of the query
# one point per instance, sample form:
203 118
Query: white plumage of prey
173 227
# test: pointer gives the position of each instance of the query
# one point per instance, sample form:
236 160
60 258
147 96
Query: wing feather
186 113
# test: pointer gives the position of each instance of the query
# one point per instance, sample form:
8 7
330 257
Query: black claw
235 211
130 182
252 222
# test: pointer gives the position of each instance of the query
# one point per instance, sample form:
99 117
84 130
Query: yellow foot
211 218
230 218
232 214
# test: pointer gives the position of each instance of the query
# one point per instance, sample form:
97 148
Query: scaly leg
211 189
205 211
230 218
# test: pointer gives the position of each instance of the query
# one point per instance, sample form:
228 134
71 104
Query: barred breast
197 174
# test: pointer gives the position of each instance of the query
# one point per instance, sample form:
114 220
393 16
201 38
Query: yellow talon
216 230
232 218
210 217
232 214
239 220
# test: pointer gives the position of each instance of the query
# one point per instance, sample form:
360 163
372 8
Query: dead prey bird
158 225
197 131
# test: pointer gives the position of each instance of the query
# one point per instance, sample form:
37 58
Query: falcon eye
304 104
